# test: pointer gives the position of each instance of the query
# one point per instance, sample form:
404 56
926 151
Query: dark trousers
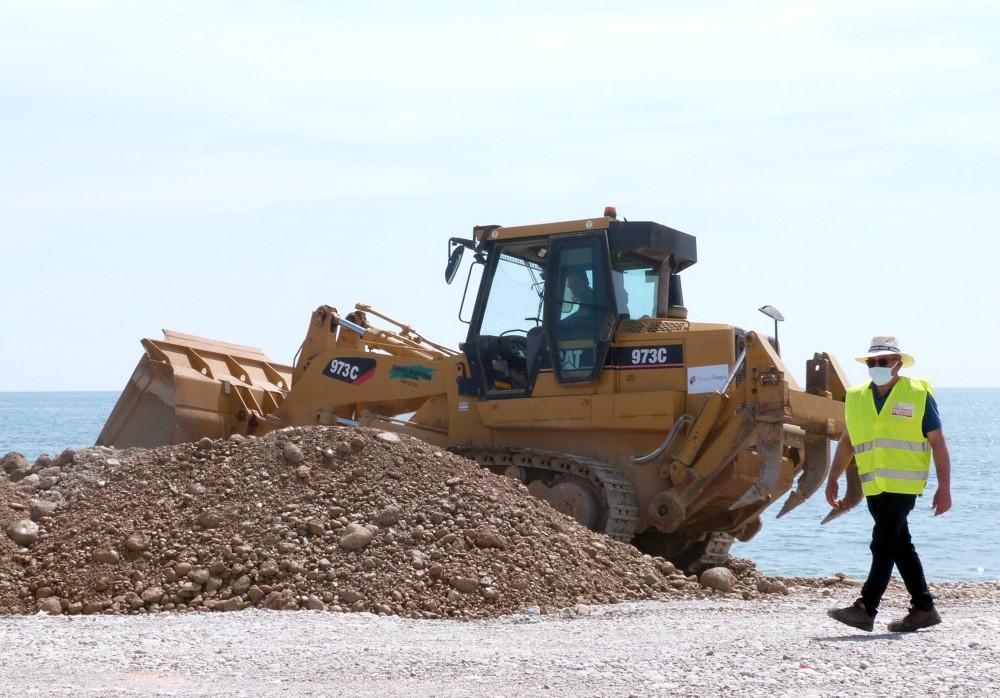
891 545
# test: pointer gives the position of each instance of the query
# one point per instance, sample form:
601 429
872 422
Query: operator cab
551 297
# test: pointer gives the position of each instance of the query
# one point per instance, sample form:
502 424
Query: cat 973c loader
581 376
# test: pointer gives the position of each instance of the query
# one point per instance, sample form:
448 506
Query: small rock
92 607
355 537
151 595
315 603
351 597
199 576
14 461
237 438
390 516
771 586
41 508
210 518
65 458
292 453
388 437
106 556
137 543
50 605
275 601
666 567
23 532
719 578
205 443
466 585
488 538
303 472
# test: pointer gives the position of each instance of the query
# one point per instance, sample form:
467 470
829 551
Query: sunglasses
882 361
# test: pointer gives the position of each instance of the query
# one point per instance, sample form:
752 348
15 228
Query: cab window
579 315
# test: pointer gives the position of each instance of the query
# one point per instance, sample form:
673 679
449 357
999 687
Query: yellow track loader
581 376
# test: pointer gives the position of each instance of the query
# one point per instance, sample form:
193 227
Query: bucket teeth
813 474
794 499
751 496
851 498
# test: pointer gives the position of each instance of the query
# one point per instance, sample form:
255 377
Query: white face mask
881 375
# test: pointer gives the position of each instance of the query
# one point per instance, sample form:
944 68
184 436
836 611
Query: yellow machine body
671 434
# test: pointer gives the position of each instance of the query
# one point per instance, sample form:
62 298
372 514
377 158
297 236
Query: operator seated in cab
580 294
578 328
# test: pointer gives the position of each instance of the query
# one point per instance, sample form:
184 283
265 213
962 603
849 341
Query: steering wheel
514 345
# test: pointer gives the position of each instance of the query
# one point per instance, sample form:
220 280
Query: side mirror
454 260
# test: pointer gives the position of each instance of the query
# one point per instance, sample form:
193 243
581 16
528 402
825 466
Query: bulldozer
581 376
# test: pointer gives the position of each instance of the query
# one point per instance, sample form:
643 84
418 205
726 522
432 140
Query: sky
222 169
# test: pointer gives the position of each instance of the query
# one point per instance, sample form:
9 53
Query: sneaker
855 616
915 620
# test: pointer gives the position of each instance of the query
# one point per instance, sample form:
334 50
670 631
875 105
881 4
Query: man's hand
832 490
841 459
942 501
942 461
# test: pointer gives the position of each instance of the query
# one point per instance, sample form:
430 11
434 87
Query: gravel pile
319 518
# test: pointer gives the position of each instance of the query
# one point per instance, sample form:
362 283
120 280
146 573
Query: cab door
580 307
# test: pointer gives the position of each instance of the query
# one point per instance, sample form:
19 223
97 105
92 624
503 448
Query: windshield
516 294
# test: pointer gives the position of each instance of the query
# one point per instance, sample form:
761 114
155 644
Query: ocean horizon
958 546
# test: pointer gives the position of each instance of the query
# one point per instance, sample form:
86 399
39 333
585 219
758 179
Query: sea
961 545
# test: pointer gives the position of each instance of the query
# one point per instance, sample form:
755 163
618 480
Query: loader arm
185 388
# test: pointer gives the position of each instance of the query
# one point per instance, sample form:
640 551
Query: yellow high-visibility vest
890 448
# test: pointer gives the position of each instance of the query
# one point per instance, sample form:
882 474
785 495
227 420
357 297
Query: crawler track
619 511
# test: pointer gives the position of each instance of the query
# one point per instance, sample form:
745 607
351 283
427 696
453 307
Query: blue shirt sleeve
932 418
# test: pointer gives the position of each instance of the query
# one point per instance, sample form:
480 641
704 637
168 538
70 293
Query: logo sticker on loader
707 379
350 370
413 372
576 359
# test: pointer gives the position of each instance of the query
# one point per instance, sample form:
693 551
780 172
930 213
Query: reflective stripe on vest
892 443
890 474
891 451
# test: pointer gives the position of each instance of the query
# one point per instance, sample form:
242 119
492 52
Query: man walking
893 427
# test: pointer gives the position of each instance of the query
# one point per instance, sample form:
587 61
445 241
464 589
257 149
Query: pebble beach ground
778 646
328 562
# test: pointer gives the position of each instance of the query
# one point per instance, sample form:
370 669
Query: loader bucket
185 388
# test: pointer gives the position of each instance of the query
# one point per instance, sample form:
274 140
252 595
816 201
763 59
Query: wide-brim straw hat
885 346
